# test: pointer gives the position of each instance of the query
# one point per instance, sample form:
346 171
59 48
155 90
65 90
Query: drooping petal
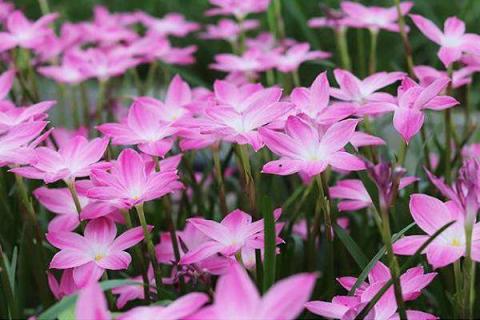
91 303
408 122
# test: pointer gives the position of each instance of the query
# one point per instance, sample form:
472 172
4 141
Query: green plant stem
248 182
7 288
102 91
426 148
217 165
342 47
372 65
75 111
85 104
361 51
402 155
296 78
32 224
325 207
457 272
150 248
73 192
279 28
139 261
469 273
406 43
44 7
393 262
152 70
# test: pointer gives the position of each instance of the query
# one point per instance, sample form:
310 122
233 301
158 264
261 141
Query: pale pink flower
132 292
65 287
413 281
303 148
17 145
450 245
228 30
427 75
314 102
242 127
291 59
69 71
145 126
453 40
94 252
237 297
64 136
23 33
132 182
91 303
373 18
6 83
359 93
74 160
171 24
238 8
354 196
102 65
181 308
234 234
252 61
241 97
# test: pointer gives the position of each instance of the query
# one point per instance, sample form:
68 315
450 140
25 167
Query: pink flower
24 33
74 160
66 286
359 93
413 281
131 182
293 57
145 127
6 83
412 99
238 8
453 40
69 71
13 116
302 148
234 234
91 303
252 61
94 252
131 292
314 102
260 109
373 18
450 245
427 75
240 97
354 195
236 297
228 30
171 24
17 144
103 65
181 308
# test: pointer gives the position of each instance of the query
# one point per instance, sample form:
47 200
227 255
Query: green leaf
352 247
62 306
296 11
364 274
266 209
404 267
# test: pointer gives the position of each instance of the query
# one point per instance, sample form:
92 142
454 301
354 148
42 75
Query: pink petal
428 28
338 135
91 303
178 93
283 167
183 306
422 208
346 161
326 309
128 239
69 259
211 229
203 251
449 55
87 273
117 260
280 143
441 255
100 231
408 122
409 245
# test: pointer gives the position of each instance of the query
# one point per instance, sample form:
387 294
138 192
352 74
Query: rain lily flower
228 30
250 62
237 297
354 195
13 116
314 102
426 75
242 127
102 65
234 234
94 252
74 160
240 97
373 18
450 245
23 33
303 148
453 40
171 24
132 292
293 57
413 281
238 8
145 127
65 287
359 93
69 71
131 182
181 308
91 303
17 144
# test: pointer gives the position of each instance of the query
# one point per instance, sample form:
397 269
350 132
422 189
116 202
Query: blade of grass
354 250
269 272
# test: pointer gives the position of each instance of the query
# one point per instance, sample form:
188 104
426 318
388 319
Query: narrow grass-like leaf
364 274
407 264
68 302
352 247
295 10
269 272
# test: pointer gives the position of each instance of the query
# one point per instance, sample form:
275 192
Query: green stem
44 6
152 70
325 207
402 155
100 100
393 262
406 43
469 272
75 111
372 66
248 182
73 192
342 47
7 288
139 261
361 51
457 271
296 78
85 104
150 248
219 177
426 148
